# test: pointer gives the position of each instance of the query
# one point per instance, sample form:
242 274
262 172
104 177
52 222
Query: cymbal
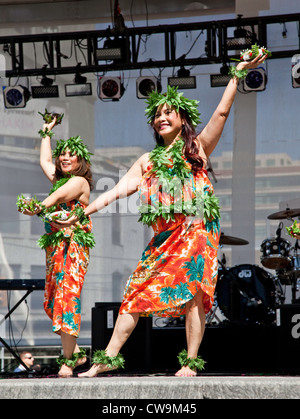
288 213
234 241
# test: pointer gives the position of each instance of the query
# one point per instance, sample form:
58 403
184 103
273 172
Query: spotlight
110 88
239 43
183 80
296 70
218 80
255 80
45 90
16 97
113 49
222 79
81 87
242 37
39 92
145 85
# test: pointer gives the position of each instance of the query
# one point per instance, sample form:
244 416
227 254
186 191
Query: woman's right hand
63 224
50 125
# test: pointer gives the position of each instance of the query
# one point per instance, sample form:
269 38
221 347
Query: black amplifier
288 338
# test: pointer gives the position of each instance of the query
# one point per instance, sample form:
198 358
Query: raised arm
46 161
211 134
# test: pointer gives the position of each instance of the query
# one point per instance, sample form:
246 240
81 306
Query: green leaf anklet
73 361
113 362
192 363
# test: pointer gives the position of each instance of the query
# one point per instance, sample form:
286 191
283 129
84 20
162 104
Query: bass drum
248 294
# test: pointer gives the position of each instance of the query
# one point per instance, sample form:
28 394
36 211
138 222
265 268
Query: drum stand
212 315
294 289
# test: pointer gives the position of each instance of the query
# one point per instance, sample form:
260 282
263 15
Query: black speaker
148 349
288 326
136 351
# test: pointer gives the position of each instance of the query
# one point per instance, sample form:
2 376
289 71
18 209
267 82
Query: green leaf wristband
240 74
46 133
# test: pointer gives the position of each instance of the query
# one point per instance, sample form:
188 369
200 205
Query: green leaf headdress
172 98
75 145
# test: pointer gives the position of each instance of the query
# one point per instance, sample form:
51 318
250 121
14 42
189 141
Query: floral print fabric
66 266
180 259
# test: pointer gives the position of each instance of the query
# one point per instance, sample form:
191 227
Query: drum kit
248 293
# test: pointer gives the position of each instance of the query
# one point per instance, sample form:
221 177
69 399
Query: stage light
242 37
239 43
110 88
46 90
255 80
218 80
80 86
183 80
222 79
145 85
113 49
79 89
15 97
40 92
296 70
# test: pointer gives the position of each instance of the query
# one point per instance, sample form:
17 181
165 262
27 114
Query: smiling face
167 122
68 162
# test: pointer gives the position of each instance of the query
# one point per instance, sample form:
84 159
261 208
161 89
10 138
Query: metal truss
216 34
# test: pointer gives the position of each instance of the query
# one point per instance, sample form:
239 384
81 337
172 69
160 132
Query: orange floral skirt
180 260
66 266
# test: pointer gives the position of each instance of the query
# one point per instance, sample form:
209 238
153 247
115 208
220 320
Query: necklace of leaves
167 165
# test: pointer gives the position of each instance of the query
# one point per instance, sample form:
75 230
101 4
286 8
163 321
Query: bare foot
66 371
186 372
95 370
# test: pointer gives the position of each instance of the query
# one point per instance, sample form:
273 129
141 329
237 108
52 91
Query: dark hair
188 133
83 169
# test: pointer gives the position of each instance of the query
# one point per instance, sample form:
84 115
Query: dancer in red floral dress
67 249
178 270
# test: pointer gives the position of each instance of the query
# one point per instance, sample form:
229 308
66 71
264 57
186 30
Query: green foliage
75 145
49 117
73 361
113 362
30 204
193 363
294 230
169 167
172 98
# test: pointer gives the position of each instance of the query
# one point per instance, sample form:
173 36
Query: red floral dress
180 259
66 265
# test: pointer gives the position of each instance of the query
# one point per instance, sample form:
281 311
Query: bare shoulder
79 182
144 161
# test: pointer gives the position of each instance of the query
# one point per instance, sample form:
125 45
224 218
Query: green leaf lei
193 363
113 362
73 361
171 170
75 145
240 74
79 235
172 98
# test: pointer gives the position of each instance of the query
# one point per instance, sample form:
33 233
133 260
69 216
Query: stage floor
152 387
